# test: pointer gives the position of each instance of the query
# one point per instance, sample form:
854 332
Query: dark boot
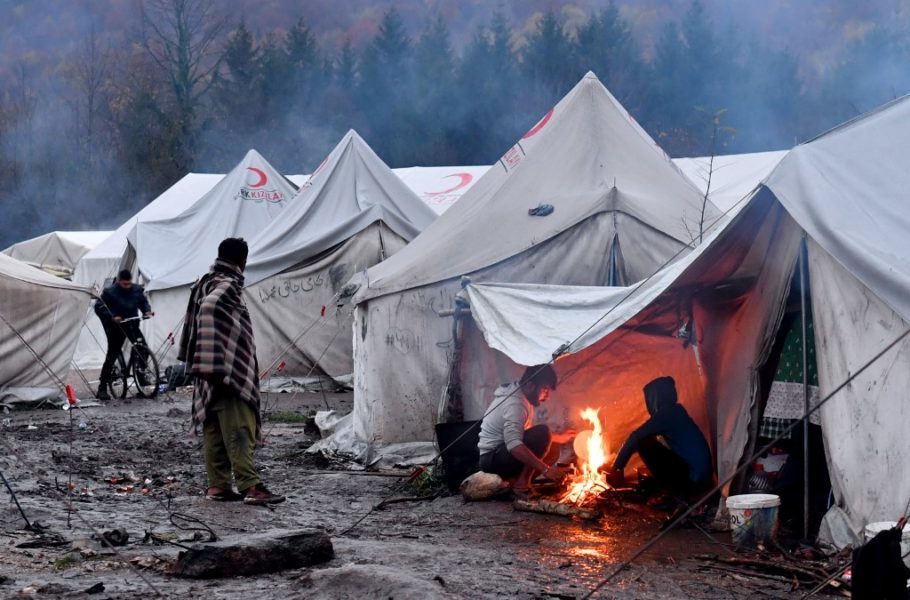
102 391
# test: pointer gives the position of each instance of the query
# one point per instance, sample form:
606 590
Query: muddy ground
442 548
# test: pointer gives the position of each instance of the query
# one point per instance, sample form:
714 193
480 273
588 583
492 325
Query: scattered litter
541 210
146 562
95 589
115 537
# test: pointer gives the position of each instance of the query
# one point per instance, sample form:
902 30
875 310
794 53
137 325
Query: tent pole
803 252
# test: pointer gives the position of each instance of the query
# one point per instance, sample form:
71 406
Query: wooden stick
774 566
385 503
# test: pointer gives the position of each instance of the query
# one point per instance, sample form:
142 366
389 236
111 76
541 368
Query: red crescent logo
540 125
463 180
263 179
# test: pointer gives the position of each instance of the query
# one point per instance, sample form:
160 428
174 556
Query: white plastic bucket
753 518
873 529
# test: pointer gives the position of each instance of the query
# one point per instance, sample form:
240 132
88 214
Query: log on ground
551 507
254 555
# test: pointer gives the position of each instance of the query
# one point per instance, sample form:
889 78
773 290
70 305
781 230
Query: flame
589 481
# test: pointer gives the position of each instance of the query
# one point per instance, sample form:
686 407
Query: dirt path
438 549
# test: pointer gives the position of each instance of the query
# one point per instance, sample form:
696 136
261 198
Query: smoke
87 139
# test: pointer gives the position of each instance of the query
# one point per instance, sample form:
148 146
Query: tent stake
803 252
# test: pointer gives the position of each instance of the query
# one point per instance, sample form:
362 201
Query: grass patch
283 416
65 562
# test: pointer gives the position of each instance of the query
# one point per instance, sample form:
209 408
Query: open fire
591 448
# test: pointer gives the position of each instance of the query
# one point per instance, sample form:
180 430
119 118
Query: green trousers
228 442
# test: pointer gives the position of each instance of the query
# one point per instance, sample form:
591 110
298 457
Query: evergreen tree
308 76
488 95
606 46
547 59
435 90
385 89
693 73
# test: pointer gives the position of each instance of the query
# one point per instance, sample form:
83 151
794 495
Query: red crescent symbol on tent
540 125
463 180
263 179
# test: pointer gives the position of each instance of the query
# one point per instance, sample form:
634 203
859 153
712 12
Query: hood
660 394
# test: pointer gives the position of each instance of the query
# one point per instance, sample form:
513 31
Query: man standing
121 300
218 348
508 445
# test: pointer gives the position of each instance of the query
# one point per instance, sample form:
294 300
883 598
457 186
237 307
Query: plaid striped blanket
217 341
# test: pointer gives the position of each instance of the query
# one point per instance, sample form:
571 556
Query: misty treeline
187 89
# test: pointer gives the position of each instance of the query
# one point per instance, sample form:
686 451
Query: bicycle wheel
145 372
118 384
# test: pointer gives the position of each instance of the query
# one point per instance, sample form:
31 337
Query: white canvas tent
620 209
101 264
845 191
353 213
172 253
47 312
441 187
57 252
731 176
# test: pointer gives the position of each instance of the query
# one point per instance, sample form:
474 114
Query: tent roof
171 202
58 250
848 190
349 191
19 271
732 176
586 156
175 251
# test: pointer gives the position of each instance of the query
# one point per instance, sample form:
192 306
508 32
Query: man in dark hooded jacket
670 444
119 301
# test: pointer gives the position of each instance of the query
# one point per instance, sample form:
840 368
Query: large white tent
47 312
353 213
584 198
710 319
170 254
100 265
57 252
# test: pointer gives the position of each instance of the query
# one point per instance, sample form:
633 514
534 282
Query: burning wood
589 481
552 507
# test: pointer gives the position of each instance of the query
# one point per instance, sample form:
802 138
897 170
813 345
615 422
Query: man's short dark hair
540 375
124 275
233 250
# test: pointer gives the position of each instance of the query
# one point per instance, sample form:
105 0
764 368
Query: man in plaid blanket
218 348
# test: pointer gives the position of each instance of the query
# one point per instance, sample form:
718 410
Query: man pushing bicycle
119 301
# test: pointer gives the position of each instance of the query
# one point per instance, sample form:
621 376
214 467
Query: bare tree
22 100
717 128
88 72
181 37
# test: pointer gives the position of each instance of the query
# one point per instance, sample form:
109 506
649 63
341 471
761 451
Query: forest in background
184 85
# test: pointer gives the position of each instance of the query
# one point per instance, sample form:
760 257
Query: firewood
551 507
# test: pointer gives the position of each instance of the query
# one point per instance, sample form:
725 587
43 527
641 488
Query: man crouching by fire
670 444
509 446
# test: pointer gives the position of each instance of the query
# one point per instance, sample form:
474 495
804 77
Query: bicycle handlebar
142 318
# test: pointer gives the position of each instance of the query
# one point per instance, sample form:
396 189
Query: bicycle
142 365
